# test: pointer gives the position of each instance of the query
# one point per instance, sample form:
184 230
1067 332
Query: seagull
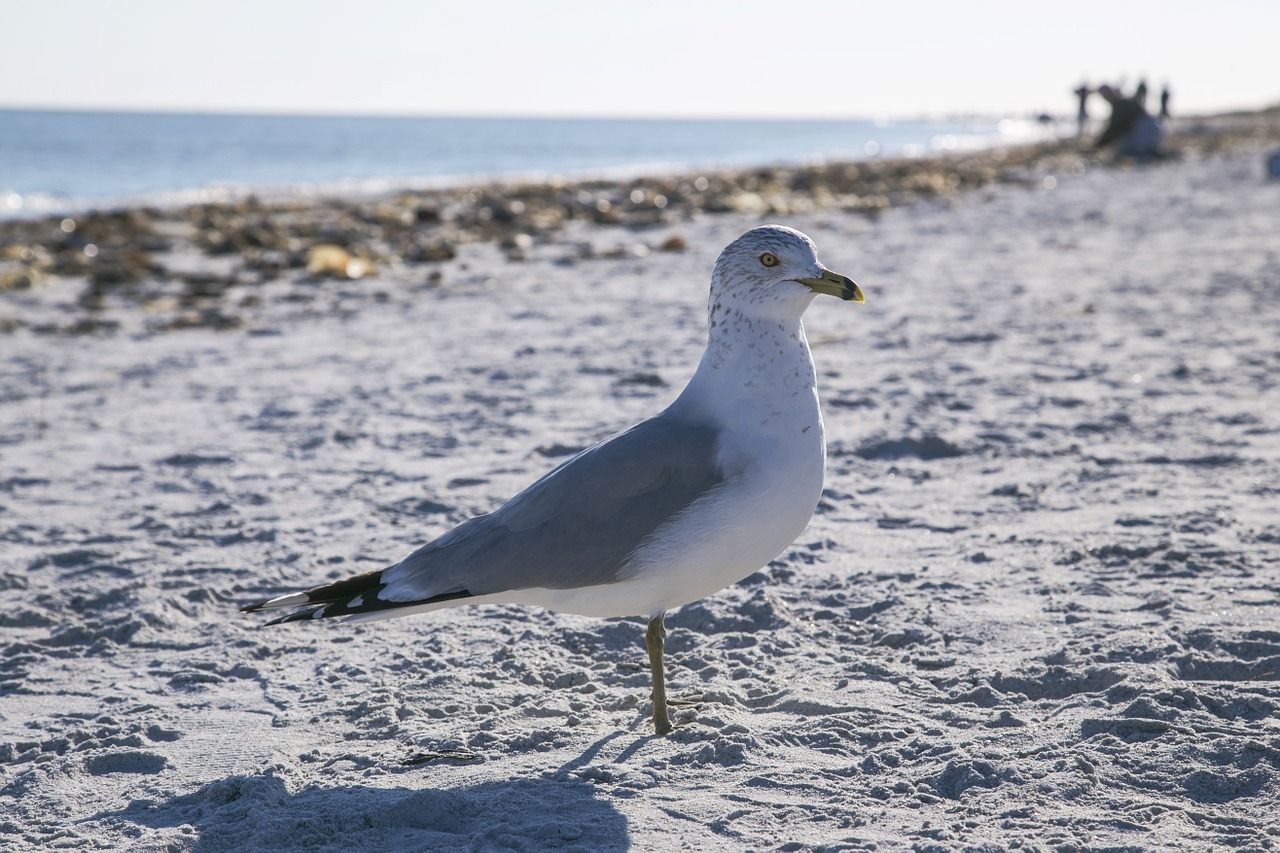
675 508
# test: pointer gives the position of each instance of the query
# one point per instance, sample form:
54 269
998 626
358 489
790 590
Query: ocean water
68 161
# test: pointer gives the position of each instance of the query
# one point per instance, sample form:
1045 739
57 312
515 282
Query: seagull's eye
769 259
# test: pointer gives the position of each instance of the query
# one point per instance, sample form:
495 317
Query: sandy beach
1038 607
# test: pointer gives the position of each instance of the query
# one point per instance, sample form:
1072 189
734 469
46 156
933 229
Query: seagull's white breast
773 453
771 449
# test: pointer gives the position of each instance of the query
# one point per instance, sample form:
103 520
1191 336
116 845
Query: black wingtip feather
300 616
336 599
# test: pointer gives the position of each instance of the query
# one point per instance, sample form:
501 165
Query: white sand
1039 607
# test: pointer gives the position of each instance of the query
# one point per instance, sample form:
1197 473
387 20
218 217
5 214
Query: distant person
1164 102
1140 94
1082 111
1131 131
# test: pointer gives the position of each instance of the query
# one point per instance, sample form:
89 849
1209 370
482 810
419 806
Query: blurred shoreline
204 265
67 163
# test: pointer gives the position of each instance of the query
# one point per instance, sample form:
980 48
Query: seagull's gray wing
574 527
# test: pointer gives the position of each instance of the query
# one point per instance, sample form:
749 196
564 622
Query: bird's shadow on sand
258 812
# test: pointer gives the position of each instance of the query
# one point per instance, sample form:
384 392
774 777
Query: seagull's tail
356 597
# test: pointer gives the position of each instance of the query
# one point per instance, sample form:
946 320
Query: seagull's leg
653 640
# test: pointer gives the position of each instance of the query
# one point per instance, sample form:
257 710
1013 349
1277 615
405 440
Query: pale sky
678 58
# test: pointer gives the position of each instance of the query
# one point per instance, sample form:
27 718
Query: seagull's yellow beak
834 284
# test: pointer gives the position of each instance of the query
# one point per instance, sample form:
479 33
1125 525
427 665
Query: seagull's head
774 270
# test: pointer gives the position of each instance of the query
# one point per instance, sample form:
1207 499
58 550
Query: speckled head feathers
758 272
